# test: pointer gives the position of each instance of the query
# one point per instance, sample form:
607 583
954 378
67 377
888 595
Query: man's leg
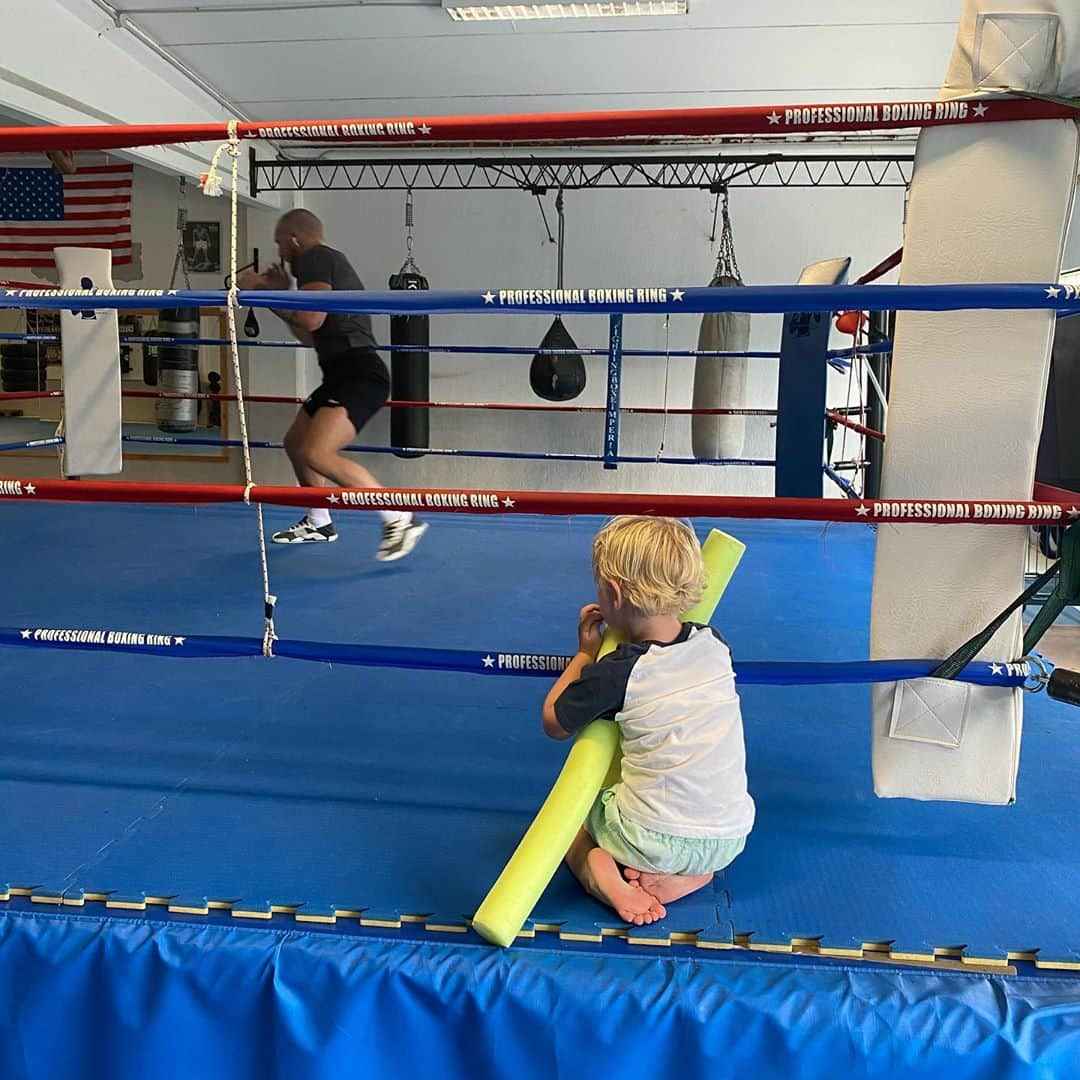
328 432
319 452
316 525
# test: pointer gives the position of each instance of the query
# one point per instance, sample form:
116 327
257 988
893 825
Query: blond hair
655 561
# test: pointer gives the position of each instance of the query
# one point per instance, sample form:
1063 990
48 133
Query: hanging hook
715 211
562 232
543 214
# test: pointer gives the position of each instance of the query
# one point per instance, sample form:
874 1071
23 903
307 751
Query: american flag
40 210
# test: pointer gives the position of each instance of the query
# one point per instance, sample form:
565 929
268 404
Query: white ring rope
212 186
667 376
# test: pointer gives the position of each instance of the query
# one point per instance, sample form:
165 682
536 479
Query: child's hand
589 636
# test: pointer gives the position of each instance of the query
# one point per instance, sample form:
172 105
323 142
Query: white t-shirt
684 760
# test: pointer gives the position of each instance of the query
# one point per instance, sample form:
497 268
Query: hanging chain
726 263
180 262
409 263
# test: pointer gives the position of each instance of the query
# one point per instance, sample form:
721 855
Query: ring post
614 384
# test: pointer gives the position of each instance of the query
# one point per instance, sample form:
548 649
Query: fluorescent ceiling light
467 12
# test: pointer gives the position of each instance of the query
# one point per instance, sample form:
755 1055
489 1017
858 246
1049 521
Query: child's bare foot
630 873
631 902
670 887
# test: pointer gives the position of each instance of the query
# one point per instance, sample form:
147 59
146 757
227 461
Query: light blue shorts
656 852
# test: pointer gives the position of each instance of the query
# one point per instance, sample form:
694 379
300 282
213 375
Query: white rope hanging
211 184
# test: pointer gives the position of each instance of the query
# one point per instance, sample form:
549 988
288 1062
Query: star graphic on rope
980 110
1053 292
30 489
489 297
179 640
25 634
774 118
677 295
425 129
1072 513
996 669
508 502
332 498
862 511
489 661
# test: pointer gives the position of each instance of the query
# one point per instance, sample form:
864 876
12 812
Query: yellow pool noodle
592 763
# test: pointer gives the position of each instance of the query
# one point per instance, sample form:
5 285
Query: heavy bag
558 375
1058 462
409 370
720 382
150 365
23 367
178 371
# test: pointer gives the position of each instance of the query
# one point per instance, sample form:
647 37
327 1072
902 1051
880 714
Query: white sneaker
304 532
399 538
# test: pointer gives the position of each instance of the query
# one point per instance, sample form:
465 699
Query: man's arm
303 324
306 322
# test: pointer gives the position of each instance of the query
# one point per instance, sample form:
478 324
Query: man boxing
355 383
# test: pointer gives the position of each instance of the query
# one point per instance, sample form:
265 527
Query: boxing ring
254 798
246 844
141 790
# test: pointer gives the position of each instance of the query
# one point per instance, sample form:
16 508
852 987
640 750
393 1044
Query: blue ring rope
490 662
753 299
31 444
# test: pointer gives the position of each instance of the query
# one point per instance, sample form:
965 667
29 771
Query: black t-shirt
338 333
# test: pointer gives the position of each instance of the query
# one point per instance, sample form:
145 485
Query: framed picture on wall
202 246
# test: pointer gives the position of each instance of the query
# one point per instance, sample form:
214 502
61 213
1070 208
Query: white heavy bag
720 382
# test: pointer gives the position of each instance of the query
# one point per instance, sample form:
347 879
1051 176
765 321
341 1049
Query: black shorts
357 381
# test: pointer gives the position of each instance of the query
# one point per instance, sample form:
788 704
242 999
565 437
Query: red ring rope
777 120
468 500
862 429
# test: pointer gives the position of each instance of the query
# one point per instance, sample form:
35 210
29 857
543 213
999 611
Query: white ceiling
325 58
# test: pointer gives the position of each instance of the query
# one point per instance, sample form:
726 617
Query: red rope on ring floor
473 501
648 124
